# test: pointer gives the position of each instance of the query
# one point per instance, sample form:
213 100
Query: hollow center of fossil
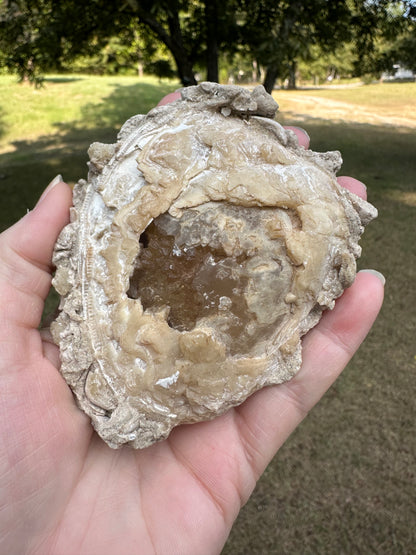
183 267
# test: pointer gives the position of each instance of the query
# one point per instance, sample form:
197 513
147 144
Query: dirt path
306 107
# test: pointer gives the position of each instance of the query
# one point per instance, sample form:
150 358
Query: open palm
63 491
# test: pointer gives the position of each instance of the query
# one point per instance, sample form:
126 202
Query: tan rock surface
204 244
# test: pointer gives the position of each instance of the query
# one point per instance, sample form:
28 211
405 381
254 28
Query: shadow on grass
380 155
61 79
26 171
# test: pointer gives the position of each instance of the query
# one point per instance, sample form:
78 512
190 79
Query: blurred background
72 72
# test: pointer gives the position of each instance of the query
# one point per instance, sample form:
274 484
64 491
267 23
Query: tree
41 35
23 47
406 46
288 31
132 50
194 31
393 40
163 18
221 33
323 66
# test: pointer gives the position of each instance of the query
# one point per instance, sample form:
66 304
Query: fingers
50 349
303 137
34 237
26 253
353 185
330 345
273 413
171 97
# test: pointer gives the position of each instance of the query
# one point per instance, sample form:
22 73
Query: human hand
63 491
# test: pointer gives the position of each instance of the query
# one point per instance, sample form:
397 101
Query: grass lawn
47 131
345 481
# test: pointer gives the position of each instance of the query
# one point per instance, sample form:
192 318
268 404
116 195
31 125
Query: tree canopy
278 36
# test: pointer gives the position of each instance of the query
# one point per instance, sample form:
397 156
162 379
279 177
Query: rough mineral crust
204 244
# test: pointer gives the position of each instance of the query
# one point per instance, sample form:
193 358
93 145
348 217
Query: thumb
26 255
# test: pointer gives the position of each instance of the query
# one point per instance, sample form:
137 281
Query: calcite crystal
203 246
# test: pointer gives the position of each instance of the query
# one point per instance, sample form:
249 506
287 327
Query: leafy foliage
277 36
291 28
42 35
399 44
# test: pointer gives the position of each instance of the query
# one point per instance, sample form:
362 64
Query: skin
63 491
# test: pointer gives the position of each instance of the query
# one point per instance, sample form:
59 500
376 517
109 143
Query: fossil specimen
205 243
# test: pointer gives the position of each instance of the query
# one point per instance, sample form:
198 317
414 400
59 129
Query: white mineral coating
203 246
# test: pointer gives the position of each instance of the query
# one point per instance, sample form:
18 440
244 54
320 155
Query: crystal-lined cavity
183 269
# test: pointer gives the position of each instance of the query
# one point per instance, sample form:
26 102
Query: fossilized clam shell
204 244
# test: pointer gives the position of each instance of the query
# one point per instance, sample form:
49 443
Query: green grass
72 101
47 131
345 481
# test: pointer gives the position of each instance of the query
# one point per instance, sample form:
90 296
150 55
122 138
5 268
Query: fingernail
57 179
347 179
379 275
301 130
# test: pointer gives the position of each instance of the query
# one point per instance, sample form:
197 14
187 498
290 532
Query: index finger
171 97
353 185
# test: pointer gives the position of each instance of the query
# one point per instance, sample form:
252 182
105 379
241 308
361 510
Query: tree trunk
211 22
256 72
292 76
182 59
272 74
172 39
185 70
27 72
